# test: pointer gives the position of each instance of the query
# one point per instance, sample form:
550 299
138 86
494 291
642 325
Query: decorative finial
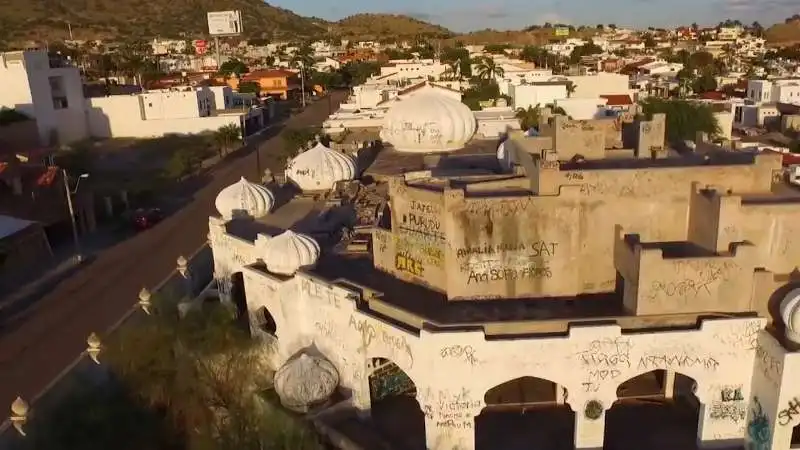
93 347
144 300
183 266
19 414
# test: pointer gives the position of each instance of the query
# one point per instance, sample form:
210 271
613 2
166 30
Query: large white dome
289 251
428 122
244 199
320 168
305 381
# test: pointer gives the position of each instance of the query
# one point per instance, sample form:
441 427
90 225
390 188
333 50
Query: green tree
487 69
225 137
249 87
684 119
529 117
183 162
706 82
588 49
233 67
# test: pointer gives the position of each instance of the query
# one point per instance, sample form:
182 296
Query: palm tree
488 69
225 137
528 117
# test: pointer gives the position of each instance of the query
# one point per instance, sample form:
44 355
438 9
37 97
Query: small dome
305 381
790 314
428 122
244 199
290 251
319 168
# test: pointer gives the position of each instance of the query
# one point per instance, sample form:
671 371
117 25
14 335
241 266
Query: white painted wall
26 85
525 95
593 86
125 116
453 370
583 108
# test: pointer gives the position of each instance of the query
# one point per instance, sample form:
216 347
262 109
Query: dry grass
380 26
783 33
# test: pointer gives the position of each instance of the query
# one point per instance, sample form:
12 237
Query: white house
537 93
47 90
774 91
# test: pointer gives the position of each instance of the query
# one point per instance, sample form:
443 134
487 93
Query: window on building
276 82
57 93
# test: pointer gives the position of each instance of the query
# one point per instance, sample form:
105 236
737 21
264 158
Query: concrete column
590 429
710 430
668 384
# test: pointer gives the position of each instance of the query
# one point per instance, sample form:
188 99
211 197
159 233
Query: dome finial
428 122
320 168
288 252
244 198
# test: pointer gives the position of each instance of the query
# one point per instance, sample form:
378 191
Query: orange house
273 82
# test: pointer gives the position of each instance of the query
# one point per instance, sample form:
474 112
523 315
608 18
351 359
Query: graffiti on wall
771 367
464 353
451 409
425 248
729 405
695 278
789 414
498 207
604 359
409 265
758 428
507 262
394 345
422 217
318 292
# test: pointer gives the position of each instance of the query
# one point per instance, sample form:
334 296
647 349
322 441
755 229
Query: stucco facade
700 251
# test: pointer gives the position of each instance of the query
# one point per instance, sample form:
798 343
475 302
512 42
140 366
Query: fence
190 277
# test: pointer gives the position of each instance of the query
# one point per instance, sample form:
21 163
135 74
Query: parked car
144 218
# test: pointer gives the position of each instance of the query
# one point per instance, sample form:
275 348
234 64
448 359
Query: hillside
539 36
787 33
378 26
49 19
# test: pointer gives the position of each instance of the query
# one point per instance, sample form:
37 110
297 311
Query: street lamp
70 192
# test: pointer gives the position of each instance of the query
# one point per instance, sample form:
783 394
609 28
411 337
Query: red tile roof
617 99
713 95
268 73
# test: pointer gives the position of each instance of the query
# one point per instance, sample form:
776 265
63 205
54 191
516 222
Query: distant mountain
786 33
378 26
91 19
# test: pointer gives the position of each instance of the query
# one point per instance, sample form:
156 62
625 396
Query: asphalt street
53 331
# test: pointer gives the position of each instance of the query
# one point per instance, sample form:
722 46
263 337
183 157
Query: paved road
54 330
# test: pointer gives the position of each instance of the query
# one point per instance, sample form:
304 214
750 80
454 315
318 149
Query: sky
467 15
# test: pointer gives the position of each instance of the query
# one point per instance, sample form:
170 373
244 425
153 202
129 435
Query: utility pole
303 82
68 192
219 58
69 29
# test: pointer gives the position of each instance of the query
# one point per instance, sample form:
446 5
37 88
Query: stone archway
395 409
524 413
238 298
265 322
657 410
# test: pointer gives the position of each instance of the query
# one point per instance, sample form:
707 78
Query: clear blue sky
466 15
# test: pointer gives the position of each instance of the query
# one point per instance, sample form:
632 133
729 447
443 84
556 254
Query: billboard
225 23
562 31
200 47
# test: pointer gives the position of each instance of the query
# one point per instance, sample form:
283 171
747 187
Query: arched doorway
655 410
395 409
239 298
265 322
525 413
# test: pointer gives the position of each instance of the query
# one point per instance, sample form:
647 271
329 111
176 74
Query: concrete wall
451 382
124 116
561 242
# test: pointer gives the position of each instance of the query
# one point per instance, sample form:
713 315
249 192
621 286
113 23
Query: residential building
541 291
774 91
182 110
537 93
277 83
411 69
48 90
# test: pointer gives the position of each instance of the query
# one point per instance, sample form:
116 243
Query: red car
144 218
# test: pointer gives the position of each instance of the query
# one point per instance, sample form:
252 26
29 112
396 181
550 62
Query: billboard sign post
224 23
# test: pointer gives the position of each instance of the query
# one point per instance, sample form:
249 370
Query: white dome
290 251
244 198
320 168
790 314
305 381
428 122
